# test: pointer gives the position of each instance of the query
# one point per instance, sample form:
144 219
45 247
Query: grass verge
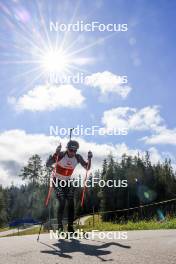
168 223
2 229
31 231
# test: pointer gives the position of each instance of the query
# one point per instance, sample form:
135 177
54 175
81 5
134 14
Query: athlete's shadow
64 247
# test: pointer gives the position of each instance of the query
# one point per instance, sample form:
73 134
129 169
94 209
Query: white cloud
155 156
16 146
108 82
6 179
48 98
147 118
164 136
144 119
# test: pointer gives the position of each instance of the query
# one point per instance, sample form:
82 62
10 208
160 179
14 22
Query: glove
58 149
49 161
90 155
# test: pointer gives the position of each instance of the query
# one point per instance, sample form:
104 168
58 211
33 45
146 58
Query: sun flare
55 61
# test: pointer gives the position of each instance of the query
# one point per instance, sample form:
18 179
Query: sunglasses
72 150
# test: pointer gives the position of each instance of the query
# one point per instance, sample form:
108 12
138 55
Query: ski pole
39 231
71 130
51 188
48 197
84 188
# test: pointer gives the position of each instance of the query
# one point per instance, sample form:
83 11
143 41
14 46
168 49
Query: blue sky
145 53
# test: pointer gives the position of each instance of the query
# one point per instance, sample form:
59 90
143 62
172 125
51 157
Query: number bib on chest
65 167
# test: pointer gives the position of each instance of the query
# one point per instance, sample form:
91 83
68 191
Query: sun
55 61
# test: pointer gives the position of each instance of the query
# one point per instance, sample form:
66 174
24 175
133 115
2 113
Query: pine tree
33 171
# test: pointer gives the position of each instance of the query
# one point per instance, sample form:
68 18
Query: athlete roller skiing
65 163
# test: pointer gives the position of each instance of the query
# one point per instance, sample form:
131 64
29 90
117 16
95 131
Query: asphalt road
141 247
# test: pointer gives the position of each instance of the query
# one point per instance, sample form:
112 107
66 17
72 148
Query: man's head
72 147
